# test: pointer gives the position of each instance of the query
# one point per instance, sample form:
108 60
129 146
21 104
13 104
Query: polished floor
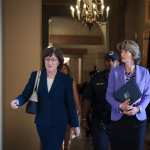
83 143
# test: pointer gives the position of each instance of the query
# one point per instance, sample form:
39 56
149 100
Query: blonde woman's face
51 63
126 56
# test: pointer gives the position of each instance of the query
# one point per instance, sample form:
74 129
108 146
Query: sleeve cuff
120 110
140 109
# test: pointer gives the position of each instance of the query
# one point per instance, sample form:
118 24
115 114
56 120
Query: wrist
120 108
138 109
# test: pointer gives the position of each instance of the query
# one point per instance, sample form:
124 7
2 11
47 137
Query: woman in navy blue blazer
56 106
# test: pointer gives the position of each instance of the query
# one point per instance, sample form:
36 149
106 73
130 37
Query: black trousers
51 137
128 134
100 134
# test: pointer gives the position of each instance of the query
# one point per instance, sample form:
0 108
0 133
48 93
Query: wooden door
146 48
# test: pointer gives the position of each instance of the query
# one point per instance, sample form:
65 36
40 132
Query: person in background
66 70
56 106
100 109
93 72
128 120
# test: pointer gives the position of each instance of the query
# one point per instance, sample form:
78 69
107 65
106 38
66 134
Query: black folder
130 90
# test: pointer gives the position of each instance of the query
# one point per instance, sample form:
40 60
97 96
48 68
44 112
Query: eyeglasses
51 59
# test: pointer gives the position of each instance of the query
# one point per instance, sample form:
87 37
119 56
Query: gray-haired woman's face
126 56
51 63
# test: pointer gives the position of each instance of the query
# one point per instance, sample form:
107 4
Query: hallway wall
22 48
1 111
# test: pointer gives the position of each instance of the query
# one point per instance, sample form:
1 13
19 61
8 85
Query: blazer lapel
54 84
45 81
122 75
138 75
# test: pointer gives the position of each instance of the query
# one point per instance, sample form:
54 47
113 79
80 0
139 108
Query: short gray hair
132 47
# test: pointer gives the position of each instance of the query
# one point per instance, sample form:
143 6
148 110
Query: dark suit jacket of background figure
56 108
99 120
95 93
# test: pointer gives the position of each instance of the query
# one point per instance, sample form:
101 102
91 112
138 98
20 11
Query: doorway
75 64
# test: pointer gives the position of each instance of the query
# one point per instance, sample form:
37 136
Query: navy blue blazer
56 107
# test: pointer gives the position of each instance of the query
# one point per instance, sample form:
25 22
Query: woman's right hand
75 131
125 106
14 104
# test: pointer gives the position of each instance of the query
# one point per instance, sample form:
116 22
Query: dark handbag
31 106
130 91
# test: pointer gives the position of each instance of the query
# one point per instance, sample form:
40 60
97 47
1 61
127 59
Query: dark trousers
128 134
51 137
100 135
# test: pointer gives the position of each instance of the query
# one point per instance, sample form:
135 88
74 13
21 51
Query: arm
110 90
23 97
146 93
76 97
73 117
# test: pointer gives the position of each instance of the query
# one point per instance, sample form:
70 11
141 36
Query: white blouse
49 83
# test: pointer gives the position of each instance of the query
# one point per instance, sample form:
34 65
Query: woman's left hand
133 111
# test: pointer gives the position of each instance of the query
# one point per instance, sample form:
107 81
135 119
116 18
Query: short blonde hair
132 47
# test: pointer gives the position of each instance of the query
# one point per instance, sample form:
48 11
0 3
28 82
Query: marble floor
83 143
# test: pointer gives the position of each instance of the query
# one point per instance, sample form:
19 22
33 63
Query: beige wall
1 112
22 47
69 26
